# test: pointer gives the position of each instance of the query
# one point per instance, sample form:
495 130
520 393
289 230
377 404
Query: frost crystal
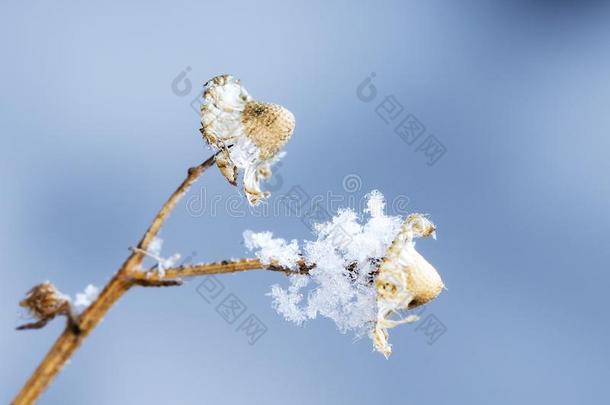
154 252
84 299
272 250
154 249
366 271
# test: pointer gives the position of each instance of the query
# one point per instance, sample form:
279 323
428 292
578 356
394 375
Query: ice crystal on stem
273 250
154 252
84 299
366 271
249 134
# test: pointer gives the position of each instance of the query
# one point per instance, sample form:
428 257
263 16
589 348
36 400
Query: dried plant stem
205 269
124 279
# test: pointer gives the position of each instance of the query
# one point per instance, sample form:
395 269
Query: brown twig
157 283
127 276
225 266
72 336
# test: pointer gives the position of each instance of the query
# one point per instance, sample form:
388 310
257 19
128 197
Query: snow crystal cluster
154 252
346 254
269 249
84 299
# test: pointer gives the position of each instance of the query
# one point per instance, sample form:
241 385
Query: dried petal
227 167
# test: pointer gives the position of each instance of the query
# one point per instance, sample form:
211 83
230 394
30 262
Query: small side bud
45 302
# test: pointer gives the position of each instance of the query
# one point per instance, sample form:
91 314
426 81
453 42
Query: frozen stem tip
44 302
249 134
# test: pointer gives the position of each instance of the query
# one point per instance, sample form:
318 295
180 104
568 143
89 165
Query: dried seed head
44 301
249 134
423 281
269 126
405 281
404 273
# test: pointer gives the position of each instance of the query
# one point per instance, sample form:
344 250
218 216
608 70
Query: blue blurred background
97 128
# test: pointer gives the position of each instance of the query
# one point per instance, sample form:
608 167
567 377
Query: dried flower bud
269 126
45 302
405 281
249 134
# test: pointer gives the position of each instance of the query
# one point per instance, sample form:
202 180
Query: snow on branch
365 270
